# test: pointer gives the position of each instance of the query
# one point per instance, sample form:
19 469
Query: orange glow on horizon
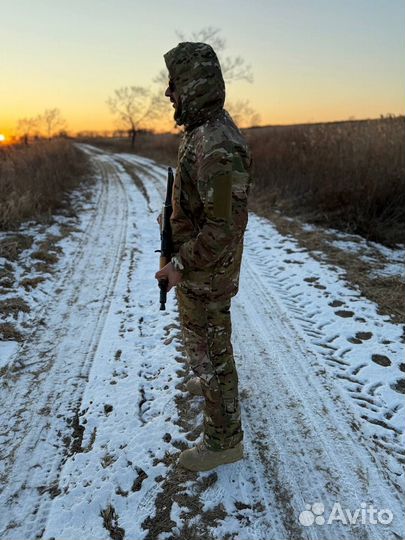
104 125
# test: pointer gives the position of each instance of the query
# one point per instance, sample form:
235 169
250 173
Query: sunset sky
312 60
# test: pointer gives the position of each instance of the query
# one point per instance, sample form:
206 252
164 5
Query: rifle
166 237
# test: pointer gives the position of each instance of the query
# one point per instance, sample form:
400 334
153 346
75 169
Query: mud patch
77 435
336 303
108 408
76 440
364 336
175 490
399 386
107 460
52 489
381 360
110 522
137 484
345 313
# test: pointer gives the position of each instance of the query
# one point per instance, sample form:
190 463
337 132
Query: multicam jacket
213 177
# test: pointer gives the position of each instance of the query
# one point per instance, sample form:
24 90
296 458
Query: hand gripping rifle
166 237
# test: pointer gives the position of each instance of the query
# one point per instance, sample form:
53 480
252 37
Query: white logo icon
313 515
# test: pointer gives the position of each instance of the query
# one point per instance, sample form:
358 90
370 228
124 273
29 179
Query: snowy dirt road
94 410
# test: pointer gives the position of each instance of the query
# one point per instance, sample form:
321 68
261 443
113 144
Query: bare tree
134 107
233 68
52 121
243 114
26 127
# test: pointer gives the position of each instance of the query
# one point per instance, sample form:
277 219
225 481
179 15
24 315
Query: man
208 222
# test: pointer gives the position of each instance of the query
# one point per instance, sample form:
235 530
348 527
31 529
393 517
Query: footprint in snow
345 313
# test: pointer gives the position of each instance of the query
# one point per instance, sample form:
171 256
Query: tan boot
201 458
194 386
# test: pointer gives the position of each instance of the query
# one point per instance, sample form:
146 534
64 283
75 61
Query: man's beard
178 110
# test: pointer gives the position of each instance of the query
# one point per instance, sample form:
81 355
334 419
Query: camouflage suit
208 222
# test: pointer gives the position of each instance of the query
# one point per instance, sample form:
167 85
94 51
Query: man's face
172 93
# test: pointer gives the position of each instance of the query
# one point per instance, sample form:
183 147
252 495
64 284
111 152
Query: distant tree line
46 125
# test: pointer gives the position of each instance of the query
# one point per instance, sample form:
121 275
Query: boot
193 385
201 458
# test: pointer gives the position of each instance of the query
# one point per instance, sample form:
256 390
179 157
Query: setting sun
2 138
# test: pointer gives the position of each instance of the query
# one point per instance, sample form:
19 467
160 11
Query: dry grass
31 283
110 522
12 306
349 175
161 148
9 332
11 246
34 179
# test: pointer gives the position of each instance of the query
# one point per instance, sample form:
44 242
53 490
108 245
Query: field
34 179
349 175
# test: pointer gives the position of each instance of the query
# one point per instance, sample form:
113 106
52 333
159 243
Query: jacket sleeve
223 185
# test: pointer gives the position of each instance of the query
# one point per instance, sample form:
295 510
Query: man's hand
159 219
168 272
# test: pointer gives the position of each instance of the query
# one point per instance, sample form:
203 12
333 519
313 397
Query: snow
383 261
8 349
322 420
329 313
38 297
387 262
391 269
347 245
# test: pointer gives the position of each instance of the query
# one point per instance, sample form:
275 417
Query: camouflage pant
206 329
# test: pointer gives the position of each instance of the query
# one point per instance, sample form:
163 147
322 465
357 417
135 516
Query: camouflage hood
196 72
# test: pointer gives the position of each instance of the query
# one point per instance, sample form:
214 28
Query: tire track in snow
123 468
346 358
57 367
298 429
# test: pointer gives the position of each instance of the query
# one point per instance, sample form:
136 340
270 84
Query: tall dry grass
349 175
34 179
